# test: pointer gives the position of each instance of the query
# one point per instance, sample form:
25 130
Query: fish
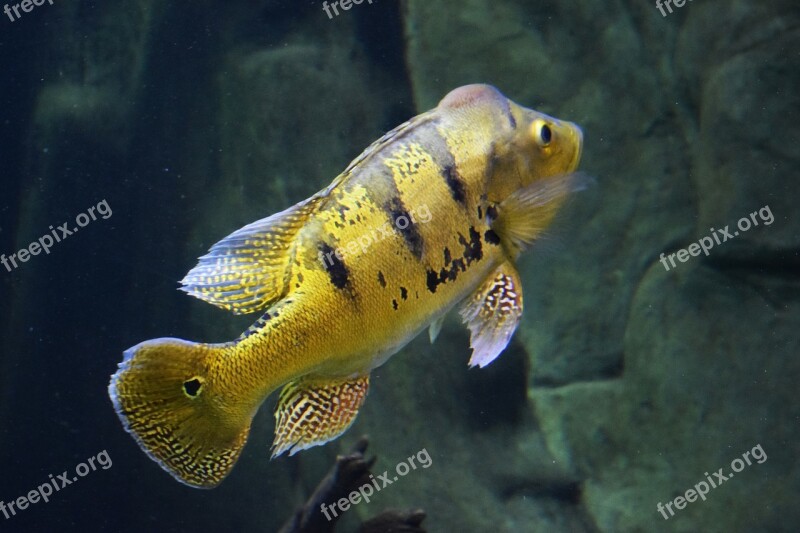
429 218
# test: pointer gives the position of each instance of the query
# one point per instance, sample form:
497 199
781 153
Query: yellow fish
431 216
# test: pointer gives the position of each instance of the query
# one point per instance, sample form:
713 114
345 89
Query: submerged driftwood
348 474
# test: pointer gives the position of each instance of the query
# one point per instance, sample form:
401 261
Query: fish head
523 145
535 147
548 146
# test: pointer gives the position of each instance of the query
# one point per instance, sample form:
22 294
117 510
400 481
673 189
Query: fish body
430 217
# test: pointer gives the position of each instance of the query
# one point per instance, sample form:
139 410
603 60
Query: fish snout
576 140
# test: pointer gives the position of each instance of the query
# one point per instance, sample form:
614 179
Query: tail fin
165 399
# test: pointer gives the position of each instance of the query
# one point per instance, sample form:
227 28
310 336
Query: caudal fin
166 400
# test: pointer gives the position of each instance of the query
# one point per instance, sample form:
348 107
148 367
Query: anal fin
313 411
492 314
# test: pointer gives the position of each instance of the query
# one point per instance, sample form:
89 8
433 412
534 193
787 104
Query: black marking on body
381 279
394 304
258 325
473 250
480 213
458 266
491 237
397 212
491 213
507 108
342 209
455 183
447 273
512 120
403 293
452 267
432 281
335 267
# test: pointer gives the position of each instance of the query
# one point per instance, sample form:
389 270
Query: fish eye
542 133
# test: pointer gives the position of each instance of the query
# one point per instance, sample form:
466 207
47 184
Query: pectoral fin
248 269
525 214
492 314
313 411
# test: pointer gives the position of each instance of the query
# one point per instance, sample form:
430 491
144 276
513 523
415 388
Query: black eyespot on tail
192 387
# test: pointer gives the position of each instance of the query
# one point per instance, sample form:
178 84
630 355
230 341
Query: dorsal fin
386 139
249 269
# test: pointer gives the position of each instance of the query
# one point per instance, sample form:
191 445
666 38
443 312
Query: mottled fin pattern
492 314
313 411
160 395
249 269
523 216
